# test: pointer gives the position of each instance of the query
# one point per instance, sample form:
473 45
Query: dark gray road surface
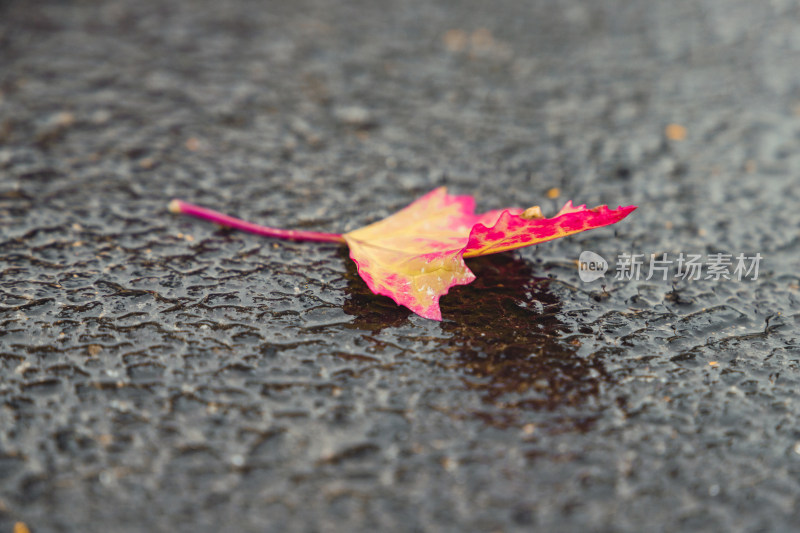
160 374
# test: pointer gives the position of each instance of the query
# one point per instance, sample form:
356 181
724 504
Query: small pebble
675 132
353 115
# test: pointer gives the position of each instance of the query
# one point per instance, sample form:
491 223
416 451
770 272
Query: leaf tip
432 314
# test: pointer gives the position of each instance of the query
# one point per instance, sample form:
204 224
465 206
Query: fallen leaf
417 254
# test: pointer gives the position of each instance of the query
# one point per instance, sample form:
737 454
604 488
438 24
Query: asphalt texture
158 373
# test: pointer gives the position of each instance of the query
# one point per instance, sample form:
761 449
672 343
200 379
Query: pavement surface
158 373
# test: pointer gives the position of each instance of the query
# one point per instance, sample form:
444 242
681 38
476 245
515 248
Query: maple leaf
417 254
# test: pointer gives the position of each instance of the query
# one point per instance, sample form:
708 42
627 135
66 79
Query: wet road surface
158 373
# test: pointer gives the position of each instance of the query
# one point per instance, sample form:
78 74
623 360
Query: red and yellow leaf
415 255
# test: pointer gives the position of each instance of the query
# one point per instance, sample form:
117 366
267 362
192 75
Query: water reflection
515 346
511 341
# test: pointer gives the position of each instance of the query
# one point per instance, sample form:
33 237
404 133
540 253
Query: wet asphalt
158 373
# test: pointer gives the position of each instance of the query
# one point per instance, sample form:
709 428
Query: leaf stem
179 206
